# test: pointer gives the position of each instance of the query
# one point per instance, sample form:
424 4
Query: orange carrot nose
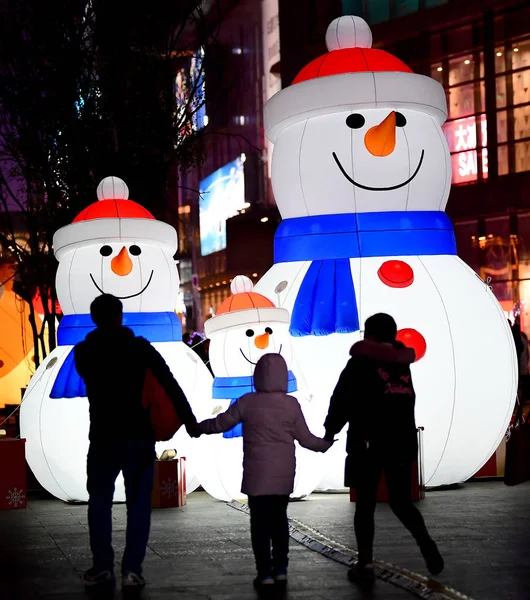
122 264
381 139
262 341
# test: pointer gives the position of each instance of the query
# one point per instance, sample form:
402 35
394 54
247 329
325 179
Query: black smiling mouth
125 297
253 363
379 189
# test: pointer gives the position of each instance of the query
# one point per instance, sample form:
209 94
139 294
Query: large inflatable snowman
247 326
114 246
361 173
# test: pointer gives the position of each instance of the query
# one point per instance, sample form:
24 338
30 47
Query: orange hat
244 307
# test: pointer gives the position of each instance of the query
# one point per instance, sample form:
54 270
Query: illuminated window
466 130
464 68
466 100
462 135
512 63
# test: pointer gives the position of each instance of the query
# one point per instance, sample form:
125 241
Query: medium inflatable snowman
246 327
114 246
361 173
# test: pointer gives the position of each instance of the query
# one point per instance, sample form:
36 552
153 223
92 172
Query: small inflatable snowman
114 246
361 173
246 327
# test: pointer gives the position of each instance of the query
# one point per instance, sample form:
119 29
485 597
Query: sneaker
433 558
281 577
260 582
130 579
361 573
98 577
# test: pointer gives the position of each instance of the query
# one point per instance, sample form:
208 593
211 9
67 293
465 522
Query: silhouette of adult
113 363
375 396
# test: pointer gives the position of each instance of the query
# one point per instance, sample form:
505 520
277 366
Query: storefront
495 245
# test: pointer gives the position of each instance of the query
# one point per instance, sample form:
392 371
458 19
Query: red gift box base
169 485
13 479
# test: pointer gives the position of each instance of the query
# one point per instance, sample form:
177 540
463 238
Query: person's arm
223 422
304 437
79 359
340 403
159 368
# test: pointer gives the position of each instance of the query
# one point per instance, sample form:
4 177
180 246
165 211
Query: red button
396 274
413 339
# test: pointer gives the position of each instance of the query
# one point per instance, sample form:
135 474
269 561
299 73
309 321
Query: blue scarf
154 326
326 301
232 388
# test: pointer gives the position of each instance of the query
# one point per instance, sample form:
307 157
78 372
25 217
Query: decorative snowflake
169 488
15 497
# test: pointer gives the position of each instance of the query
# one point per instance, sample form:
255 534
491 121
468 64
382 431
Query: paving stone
482 528
203 550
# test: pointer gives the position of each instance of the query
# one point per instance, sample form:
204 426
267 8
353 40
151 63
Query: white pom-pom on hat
241 284
244 308
348 32
352 76
112 188
117 217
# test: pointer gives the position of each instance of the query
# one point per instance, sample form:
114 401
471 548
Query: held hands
193 429
329 444
330 440
330 437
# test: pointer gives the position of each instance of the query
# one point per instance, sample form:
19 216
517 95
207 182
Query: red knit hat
114 216
352 76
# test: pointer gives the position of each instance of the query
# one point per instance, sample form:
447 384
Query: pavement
203 551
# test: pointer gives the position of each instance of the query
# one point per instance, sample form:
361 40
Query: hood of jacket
270 374
105 335
384 352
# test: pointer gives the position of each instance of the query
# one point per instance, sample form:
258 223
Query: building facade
226 212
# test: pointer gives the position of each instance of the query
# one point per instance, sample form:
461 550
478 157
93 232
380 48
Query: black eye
250 332
355 121
105 250
135 250
401 121
268 330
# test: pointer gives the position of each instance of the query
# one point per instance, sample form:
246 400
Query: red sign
462 140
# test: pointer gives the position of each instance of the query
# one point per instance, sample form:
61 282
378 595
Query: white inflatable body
361 173
114 246
247 327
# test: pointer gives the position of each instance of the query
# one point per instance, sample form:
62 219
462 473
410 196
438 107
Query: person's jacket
272 421
113 362
375 396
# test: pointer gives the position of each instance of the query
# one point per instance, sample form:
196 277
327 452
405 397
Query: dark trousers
268 524
104 462
398 477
